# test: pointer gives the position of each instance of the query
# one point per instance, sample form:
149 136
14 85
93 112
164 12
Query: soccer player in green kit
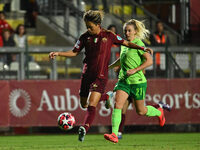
131 80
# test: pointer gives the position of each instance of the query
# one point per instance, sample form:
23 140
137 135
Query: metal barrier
65 15
176 62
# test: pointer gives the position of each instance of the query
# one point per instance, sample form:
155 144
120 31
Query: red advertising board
38 103
4 108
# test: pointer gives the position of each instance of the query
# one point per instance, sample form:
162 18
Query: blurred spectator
4 24
105 6
159 38
8 42
1 45
1 41
113 28
7 38
31 8
20 37
94 4
7 6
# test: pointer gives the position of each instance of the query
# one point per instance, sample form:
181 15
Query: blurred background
35 90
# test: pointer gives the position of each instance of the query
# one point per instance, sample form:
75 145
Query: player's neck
98 31
130 40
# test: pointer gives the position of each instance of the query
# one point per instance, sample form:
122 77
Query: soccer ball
66 121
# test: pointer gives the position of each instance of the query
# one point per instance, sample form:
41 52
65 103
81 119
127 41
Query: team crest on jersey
119 38
94 86
95 40
104 39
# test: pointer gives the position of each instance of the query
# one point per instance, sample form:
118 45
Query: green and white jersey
130 59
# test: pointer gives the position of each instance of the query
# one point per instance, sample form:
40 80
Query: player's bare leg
149 111
94 98
140 108
83 101
120 99
124 109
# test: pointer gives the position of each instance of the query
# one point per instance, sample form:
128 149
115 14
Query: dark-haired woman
20 37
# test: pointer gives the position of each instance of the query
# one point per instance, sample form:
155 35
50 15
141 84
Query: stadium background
35 90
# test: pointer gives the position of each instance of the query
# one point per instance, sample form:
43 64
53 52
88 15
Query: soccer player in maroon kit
97 43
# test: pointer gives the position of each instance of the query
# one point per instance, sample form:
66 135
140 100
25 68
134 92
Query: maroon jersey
97 52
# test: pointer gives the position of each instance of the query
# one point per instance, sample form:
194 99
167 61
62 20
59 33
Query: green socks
152 111
117 113
116 120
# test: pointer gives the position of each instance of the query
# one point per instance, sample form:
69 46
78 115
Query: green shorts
136 91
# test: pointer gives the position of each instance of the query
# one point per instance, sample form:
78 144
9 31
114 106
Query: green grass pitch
158 141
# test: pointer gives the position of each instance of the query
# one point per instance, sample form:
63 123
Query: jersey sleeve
79 44
116 39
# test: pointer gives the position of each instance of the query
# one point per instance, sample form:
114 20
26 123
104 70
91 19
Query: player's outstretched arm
132 45
69 53
114 64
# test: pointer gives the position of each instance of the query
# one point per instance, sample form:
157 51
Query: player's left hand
131 71
117 68
149 50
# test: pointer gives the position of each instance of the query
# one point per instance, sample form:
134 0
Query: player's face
129 32
92 28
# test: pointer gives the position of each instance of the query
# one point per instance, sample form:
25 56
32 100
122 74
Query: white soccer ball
66 121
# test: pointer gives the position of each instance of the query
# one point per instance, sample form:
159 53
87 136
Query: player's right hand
52 55
117 68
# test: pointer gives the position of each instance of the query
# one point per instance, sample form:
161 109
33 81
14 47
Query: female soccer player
131 80
97 43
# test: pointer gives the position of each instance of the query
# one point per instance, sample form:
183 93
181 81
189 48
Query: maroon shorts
92 84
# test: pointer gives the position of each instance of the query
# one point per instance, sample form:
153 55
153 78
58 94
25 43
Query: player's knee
83 102
118 105
84 106
93 103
